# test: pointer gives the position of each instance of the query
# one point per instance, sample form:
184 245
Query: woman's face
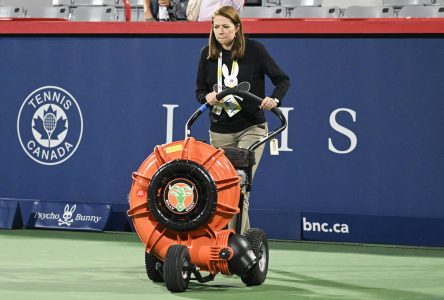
224 31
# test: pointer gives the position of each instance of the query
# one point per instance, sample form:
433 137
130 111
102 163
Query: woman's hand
164 3
211 98
268 103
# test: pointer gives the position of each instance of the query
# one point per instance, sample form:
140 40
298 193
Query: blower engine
182 198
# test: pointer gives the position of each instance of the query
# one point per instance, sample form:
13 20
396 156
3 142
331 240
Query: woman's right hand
166 3
211 98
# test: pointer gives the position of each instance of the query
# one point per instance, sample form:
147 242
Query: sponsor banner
69 216
372 229
10 214
351 134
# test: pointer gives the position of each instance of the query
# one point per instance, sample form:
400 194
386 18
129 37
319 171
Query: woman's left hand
268 103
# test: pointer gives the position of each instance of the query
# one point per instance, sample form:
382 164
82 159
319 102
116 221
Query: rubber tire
176 279
259 244
206 189
150 266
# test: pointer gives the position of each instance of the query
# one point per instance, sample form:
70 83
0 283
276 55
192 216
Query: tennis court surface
65 265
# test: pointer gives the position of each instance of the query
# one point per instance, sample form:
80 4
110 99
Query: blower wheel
259 244
177 268
152 269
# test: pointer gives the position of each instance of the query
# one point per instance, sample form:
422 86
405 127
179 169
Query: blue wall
393 85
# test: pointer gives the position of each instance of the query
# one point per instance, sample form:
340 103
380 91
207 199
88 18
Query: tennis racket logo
50 125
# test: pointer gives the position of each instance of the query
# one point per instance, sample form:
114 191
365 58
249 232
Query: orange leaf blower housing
173 181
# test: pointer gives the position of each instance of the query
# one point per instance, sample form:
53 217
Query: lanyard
228 103
234 68
219 73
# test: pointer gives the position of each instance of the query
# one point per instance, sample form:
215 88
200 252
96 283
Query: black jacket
253 67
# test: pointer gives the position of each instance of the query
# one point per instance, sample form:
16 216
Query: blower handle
194 117
249 96
243 94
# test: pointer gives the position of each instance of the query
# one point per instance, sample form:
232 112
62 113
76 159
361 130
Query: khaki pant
242 139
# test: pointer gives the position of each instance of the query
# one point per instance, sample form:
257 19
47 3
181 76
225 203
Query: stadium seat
53 12
25 3
315 12
136 2
414 11
368 12
87 2
272 2
253 3
398 3
262 12
289 5
12 12
294 3
94 14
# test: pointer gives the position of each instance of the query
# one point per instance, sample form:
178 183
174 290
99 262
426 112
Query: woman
230 59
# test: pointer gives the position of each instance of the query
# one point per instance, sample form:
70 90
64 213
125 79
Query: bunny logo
67 215
229 103
230 80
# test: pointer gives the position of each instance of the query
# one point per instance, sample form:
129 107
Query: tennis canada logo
50 125
181 196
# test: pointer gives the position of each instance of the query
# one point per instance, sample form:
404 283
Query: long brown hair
238 48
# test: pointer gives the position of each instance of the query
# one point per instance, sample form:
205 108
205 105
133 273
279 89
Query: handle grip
246 95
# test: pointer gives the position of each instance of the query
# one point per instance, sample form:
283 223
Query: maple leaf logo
50 126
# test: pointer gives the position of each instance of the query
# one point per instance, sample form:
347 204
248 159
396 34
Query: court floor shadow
374 249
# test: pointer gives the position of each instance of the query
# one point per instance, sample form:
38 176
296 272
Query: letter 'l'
170 121
284 134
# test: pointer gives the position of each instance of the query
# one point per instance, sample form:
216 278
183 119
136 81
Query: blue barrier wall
365 123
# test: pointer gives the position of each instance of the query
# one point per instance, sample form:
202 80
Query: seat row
81 13
396 3
72 10
115 13
28 3
409 11
247 2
